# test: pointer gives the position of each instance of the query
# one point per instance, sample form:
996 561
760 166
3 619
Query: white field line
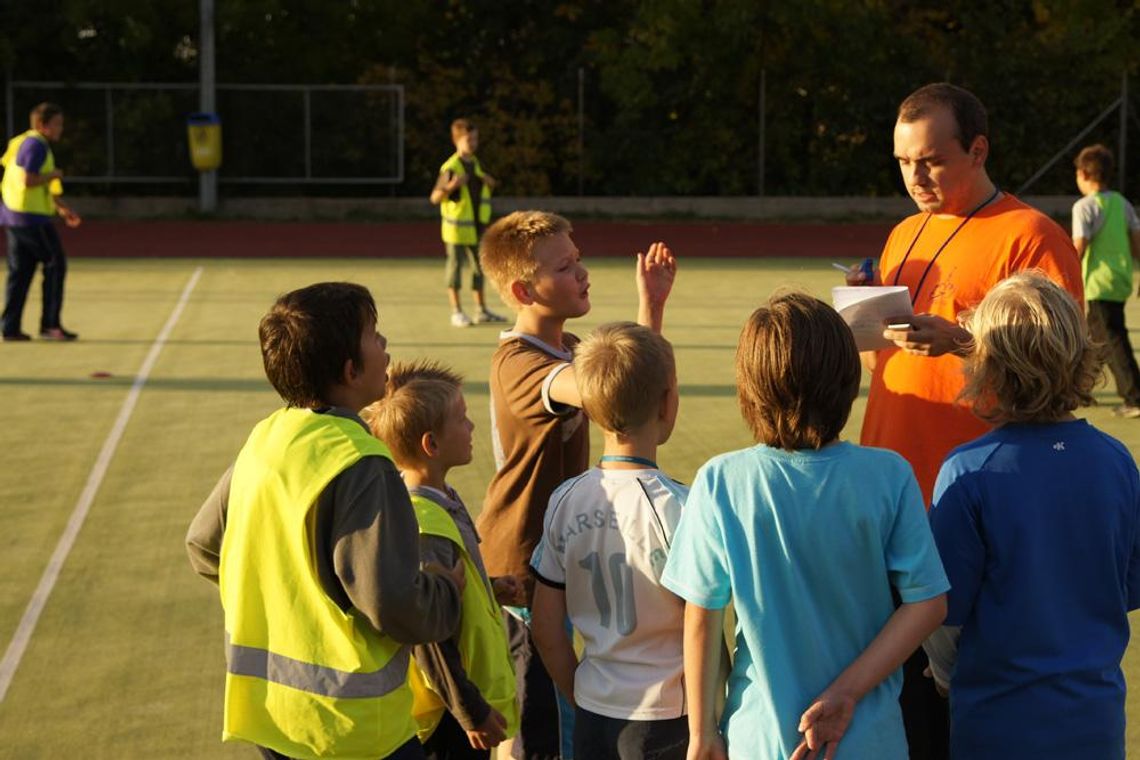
27 626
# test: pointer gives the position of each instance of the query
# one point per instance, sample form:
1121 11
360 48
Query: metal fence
272 134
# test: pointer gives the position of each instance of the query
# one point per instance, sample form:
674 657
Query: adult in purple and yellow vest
313 543
31 191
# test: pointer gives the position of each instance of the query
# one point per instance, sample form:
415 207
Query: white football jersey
606 537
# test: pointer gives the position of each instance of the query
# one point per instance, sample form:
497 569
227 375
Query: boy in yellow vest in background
463 194
1106 233
32 192
465 686
311 539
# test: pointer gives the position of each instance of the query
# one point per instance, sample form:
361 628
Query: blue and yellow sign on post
204 131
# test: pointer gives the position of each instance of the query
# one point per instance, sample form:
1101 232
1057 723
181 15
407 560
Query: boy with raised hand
806 535
1106 233
1038 522
605 540
311 539
539 433
464 686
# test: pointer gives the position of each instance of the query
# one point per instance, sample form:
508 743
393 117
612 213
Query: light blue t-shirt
807 544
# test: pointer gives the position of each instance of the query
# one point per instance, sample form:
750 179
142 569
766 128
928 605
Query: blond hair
797 372
1033 359
417 399
506 249
623 371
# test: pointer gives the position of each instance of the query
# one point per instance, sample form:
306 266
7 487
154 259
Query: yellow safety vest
483 646
303 677
14 188
457 218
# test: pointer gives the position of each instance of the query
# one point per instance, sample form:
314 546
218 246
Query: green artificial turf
127 658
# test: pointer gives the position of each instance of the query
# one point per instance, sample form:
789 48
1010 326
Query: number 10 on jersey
621 579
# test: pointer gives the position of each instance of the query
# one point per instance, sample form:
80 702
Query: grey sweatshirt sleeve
942 651
441 662
204 538
376 558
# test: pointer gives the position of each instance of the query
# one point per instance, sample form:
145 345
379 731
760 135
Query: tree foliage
671 88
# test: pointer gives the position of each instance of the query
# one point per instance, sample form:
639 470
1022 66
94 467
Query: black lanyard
969 216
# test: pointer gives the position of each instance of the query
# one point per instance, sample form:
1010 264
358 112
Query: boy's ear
428 444
348 373
521 291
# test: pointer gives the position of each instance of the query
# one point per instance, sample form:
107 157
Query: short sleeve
954 519
549 558
31 155
1085 212
1051 250
911 555
697 568
524 373
1130 215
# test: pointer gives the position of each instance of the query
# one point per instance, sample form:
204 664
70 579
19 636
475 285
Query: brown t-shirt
538 444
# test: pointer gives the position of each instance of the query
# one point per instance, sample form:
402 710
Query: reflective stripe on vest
14 188
457 218
315 679
483 646
304 677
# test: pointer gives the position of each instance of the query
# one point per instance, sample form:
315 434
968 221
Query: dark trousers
449 742
539 736
1106 325
926 714
27 247
597 737
409 750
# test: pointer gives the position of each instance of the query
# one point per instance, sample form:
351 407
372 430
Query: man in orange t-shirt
968 236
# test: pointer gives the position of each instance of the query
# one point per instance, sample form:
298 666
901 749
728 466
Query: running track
242 239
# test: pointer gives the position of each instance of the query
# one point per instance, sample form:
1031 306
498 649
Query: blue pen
868 268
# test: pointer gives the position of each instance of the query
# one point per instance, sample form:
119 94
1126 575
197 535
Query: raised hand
656 271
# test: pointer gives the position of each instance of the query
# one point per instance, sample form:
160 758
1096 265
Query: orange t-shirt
912 405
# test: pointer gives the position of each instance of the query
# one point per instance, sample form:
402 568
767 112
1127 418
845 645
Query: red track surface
405 239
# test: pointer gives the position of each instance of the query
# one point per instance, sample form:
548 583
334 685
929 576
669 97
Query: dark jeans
539 736
409 750
926 714
449 742
27 247
597 737
1106 325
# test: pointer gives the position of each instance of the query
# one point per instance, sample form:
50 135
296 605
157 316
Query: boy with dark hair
311 538
610 528
1038 524
539 433
464 686
1106 233
32 194
463 194
807 535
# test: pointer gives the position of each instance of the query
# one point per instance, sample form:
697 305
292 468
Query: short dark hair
1096 163
797 372
43 113
309 334
969 113
460 127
